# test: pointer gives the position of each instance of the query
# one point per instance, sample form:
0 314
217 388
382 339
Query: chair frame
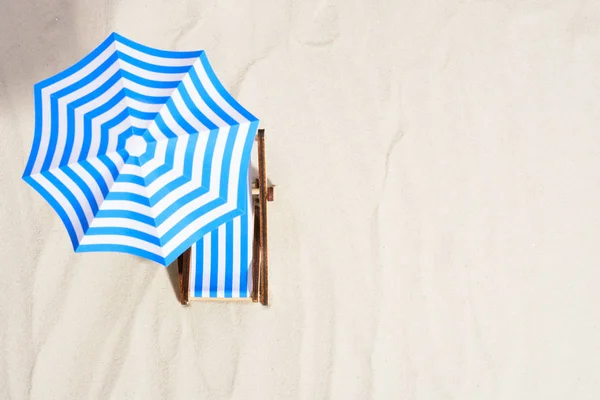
261 193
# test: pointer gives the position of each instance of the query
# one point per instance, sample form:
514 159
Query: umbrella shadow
39 40
254 175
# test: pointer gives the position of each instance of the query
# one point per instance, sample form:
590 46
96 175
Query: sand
436 224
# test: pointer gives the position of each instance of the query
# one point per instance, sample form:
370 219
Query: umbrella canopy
139 150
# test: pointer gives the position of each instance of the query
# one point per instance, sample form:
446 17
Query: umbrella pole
262 197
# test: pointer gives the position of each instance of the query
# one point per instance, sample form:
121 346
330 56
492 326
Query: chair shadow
173 273
254 175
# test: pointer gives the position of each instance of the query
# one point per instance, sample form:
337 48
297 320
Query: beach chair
231 262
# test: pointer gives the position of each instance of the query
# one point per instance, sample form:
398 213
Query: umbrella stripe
190 113
146 91
82 191
127 196
178 118
83 186
108 139
133 94
149 109
82 171
162 127
52 199
122 248
141 115
118 215
100 165
76 193
151 75
127 232
164 69
195 111
136 221
111 165
97 177
129 178
206 99
148 83
100 241
62 207
171 123
69 197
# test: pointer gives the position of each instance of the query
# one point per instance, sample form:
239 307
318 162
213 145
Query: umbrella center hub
136 145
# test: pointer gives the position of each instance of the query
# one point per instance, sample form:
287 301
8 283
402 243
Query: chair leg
262 197
183 268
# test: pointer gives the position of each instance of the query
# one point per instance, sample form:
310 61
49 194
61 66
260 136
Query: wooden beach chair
231 262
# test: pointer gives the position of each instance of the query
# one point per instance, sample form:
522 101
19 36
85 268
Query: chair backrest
221 262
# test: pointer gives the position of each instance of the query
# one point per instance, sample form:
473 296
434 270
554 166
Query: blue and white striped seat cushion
221 262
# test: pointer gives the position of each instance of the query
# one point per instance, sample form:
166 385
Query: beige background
436 228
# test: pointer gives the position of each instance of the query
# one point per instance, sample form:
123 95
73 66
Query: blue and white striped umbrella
139 150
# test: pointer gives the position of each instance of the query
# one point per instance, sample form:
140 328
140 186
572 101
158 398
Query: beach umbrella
139 150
